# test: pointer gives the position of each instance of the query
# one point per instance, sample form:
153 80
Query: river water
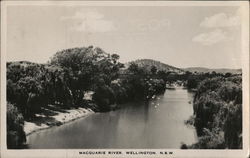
158 123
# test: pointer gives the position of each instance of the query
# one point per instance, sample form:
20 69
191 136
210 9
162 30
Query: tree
15 133
192 82
228 74
218 113
153 70
133 68
162 75
115 58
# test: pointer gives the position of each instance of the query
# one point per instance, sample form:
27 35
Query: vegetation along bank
79 81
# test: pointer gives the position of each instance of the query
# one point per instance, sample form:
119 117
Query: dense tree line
71 73
218 113
67 77
194 79
15 134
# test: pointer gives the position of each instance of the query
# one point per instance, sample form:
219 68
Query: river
158 123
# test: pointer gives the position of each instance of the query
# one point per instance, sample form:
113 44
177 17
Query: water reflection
158 123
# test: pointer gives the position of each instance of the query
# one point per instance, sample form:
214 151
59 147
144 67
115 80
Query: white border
177 152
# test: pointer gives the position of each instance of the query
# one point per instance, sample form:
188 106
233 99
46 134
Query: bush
104 97
15 134
218 113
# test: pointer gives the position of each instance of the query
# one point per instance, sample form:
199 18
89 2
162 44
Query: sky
181 36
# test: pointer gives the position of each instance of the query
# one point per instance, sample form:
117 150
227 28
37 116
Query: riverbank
53 116
135 121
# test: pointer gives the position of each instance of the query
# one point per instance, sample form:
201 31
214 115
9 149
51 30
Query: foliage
88 69
104 97
25 87
149 63
218 113
211 140
144 83
15 133
192 81
71 73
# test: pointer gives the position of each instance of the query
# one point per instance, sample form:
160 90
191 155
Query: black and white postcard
124 79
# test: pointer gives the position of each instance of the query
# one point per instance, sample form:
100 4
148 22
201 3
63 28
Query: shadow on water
146 111
157 123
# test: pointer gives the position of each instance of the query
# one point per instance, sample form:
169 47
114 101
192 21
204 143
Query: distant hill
202 69
23 63
148 63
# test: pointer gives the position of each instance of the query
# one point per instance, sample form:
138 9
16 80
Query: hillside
148 63
202 69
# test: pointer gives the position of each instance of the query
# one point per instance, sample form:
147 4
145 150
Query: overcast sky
179 36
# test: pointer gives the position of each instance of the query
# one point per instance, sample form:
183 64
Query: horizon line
217 68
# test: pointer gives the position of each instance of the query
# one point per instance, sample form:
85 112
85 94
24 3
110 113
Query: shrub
15 134
218 113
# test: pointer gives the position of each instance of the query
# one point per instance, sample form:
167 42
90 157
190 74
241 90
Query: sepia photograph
154 79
